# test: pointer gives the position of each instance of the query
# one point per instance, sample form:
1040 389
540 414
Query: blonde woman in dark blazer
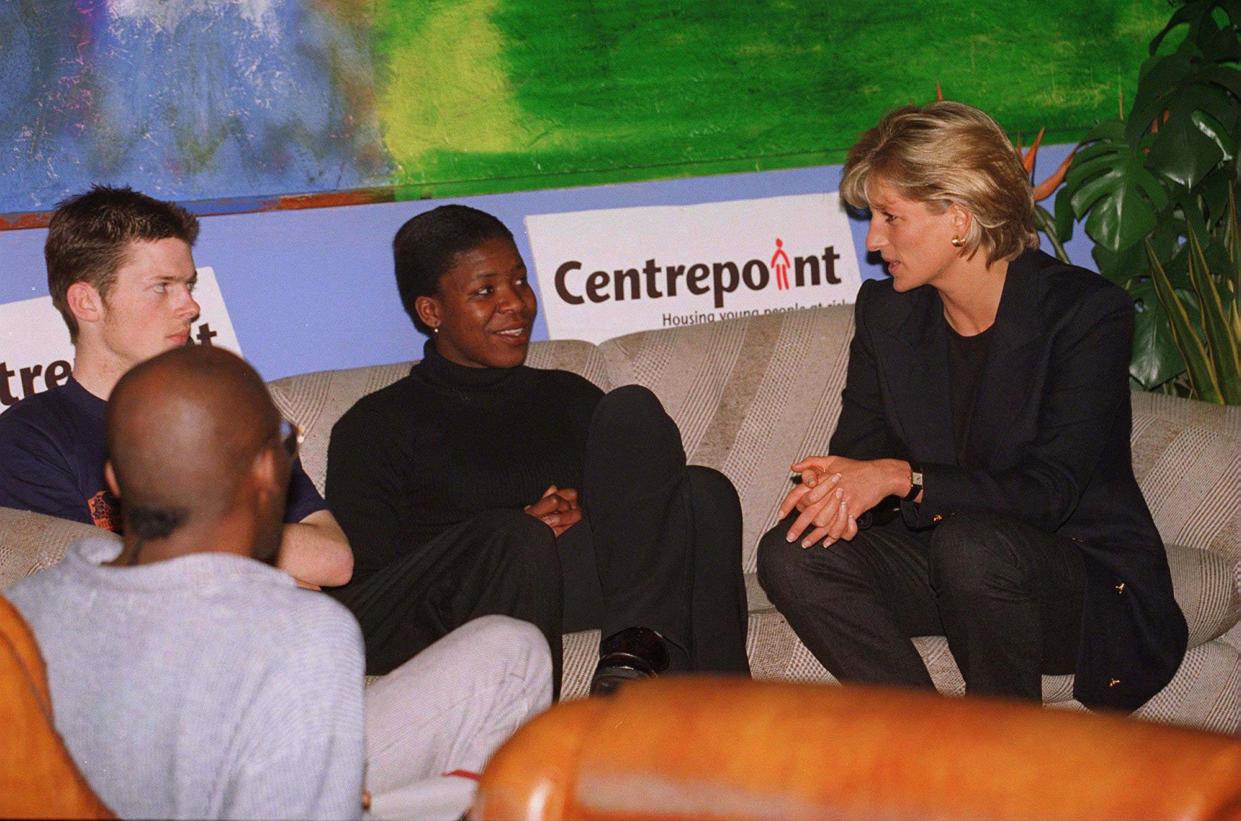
988 395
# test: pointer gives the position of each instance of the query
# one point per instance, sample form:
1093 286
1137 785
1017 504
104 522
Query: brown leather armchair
38 779
731 748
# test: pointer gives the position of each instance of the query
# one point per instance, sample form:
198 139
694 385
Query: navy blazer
1048 444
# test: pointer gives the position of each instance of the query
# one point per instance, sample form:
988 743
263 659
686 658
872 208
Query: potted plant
1158 192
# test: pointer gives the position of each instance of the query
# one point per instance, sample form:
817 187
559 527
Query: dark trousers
498 562
659 546
660 540
1007 596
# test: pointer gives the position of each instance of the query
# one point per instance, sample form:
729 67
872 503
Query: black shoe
633 653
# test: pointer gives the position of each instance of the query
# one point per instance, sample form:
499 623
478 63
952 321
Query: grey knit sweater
207 686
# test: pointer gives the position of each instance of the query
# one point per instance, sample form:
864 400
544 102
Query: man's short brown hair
945 153
89 235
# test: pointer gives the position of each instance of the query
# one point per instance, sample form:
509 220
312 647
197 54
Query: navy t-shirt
52 453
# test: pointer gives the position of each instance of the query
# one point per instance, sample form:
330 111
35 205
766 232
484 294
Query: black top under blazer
1048 443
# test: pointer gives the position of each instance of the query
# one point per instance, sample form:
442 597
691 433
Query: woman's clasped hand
557 508
834 491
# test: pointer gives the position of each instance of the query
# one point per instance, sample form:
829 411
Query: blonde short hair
945 153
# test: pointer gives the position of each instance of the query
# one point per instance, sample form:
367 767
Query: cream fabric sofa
753 395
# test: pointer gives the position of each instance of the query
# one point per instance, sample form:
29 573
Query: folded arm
315 551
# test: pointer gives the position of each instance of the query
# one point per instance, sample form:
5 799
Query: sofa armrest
30 542
733 748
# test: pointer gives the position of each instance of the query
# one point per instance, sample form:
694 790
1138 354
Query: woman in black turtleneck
477 485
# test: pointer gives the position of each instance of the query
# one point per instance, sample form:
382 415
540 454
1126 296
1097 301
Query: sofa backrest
753 395
1187 458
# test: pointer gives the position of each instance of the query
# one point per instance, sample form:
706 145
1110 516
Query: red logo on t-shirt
105 511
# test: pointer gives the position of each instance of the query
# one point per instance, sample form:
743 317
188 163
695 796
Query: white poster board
605 273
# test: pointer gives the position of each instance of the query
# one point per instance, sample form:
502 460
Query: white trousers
447 709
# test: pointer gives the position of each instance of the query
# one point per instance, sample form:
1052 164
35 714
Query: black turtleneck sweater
448 442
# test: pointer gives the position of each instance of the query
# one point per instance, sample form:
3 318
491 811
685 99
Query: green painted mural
248 101
501 95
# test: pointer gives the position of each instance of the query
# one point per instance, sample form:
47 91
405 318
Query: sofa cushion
1208 590
1205 692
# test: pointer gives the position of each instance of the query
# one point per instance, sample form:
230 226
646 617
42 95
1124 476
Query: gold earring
957 242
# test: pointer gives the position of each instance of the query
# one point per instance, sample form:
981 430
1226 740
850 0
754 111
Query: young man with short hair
121 273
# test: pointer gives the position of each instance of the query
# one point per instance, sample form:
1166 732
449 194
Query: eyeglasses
291 437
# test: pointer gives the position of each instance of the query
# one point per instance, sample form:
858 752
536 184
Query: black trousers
498 562
1007 596
659 546
662 539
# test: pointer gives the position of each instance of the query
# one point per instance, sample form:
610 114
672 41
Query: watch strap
915 481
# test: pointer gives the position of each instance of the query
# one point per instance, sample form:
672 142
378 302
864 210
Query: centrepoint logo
657 279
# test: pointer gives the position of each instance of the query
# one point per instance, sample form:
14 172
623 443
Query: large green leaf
1155 359
1225 76
1204 31
1214 191
1169 247
1198 15
1191 144
1220 44
1122 267
1186 208
1108 131
1125 213
1189 13
1161 78
1110 187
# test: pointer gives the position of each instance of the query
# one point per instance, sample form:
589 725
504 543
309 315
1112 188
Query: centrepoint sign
611 272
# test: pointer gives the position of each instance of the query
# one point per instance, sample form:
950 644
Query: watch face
916 479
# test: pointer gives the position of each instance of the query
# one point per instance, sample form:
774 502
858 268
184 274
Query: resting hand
836 490
557 508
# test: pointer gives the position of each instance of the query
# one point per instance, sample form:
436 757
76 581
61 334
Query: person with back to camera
987 393
493 487
192 679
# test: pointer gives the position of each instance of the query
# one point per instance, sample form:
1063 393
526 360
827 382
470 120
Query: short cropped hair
427 245
945 153
89 236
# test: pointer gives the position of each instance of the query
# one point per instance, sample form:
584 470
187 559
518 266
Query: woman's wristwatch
915 481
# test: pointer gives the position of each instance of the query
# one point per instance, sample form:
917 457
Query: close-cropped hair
89 236
944 153
427 245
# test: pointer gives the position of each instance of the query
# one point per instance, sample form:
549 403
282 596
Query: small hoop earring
957 242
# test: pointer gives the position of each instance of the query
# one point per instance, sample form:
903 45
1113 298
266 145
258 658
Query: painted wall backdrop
242 102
